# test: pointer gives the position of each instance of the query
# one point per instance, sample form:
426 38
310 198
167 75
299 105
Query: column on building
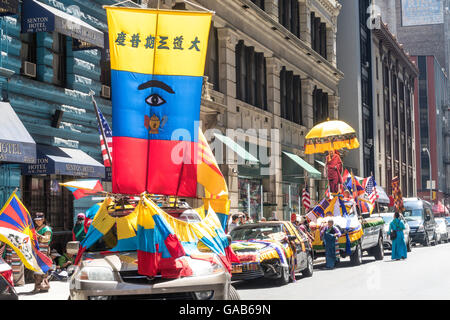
271 8
227 83
273 68
305 21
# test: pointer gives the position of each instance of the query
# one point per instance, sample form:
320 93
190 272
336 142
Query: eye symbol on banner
154 123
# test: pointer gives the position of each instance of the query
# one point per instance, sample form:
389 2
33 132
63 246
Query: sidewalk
58 291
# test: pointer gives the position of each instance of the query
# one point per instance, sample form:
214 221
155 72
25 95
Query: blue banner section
156 107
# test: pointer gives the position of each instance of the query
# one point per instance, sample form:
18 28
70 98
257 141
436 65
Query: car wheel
378 251
233 294
308 272
426 243
285 277
408 245
356 257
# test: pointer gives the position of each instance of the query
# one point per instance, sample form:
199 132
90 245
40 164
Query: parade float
137 240
349 208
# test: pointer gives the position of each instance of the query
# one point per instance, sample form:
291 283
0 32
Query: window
29 47
251 83
318 35
289 15
378 104
376 67
259 3
388 142
59 59
320 106
387 110
291 96
105 65
212 59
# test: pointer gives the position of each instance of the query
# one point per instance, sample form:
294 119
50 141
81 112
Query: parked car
105 275
7 291
442 228
266 249
387 242
419 215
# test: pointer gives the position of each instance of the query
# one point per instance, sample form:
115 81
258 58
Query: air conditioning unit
106 92
29 69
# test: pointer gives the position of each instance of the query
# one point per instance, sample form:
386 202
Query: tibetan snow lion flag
17 231
157 66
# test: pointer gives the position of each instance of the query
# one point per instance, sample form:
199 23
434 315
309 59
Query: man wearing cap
44 235
80 228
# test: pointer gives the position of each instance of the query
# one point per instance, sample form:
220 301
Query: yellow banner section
158 42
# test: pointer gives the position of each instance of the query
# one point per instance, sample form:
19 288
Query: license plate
237 268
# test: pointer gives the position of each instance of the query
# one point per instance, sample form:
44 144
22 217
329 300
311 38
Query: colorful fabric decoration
17 231
397 195
83 188
157 67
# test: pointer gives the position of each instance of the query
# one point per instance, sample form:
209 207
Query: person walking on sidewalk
396 228
44 235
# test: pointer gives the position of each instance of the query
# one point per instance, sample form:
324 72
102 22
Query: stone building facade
293 44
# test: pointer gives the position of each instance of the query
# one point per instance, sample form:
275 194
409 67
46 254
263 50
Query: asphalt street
424 275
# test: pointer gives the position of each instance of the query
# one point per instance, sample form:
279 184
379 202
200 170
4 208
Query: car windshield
255 232
414 214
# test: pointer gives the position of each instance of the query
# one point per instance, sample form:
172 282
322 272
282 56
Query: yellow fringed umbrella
330 135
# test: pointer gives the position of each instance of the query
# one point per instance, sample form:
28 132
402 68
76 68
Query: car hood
261 250
414 223
118 261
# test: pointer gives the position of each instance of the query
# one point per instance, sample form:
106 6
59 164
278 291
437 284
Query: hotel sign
17 152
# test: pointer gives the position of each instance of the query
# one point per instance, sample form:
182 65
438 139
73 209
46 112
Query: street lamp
431 177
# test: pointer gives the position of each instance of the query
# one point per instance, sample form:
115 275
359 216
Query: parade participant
79 230
234 222
333 171
396 228
44 235
329 234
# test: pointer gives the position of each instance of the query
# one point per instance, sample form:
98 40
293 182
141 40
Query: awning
241 152
9 7
321 163
382 196
313 173
64 161
16 144
39 17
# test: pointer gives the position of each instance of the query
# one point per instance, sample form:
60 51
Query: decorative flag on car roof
157 67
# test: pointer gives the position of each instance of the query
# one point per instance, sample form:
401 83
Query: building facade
432 101
380 106
53 74
394 123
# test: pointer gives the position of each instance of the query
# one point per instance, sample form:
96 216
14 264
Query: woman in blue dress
398 244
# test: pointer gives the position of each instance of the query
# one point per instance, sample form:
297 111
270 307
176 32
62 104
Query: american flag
108 134
370 189
306 199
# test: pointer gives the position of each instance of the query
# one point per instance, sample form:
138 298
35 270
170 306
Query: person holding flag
44 235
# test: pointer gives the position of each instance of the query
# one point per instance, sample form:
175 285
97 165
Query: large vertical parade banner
157 66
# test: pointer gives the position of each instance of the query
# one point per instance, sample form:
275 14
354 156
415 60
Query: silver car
387 243
103 275
442 229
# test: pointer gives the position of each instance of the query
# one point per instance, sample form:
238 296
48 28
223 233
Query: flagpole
92 93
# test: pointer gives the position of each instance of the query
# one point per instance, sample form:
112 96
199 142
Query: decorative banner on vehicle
157 66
